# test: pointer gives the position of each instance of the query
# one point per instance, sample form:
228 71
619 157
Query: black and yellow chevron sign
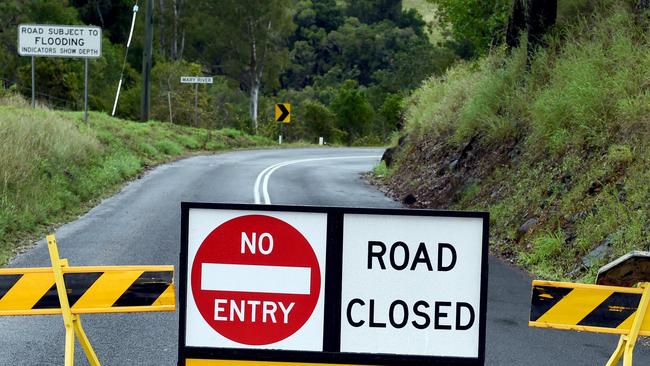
283 112
103 289
589 308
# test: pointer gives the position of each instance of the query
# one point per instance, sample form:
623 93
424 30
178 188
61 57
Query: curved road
141 225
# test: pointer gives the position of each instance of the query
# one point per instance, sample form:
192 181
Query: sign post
33 82
85 90
196 80
60 41
323 285
282 115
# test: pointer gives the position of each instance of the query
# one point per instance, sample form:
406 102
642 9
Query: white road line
264 177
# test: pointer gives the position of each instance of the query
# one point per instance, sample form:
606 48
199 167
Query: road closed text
436 314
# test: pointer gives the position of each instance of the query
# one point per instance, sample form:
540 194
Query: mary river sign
332 285
59 41
196 79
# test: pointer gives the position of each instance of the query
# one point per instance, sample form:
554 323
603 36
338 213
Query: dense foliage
554 144
480 23
321 55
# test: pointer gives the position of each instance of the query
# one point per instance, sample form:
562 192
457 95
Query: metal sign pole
196 105
86 90
33 82
169 101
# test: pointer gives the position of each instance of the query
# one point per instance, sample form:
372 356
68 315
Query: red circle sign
255 280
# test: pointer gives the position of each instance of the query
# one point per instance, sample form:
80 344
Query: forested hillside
550 135
345 65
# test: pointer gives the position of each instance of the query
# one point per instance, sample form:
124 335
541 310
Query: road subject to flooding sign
59 41
332 285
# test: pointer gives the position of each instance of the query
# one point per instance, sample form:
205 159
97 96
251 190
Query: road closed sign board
323 285
46 40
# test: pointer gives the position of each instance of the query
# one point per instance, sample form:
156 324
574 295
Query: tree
373 11
171 19
113 16
535 17
353 111
329 15
391 113
166 88
253 36
303 65
482 22
319 121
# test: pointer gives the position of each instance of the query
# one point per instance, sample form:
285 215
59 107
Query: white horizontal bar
254 278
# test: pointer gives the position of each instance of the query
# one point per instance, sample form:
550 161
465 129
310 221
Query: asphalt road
141 225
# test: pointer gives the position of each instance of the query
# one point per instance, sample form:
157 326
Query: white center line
264 177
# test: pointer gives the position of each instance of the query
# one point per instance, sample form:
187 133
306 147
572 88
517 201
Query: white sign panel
256 279
332 285
411 285
196 79
59 41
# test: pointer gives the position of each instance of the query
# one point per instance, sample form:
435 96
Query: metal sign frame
99 29
331 353
85 58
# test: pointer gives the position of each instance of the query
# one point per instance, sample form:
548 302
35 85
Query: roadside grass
53 166
380 170
572 128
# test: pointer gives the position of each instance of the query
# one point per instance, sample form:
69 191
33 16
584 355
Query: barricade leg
69 346
72 322
618 353
627 342
84 341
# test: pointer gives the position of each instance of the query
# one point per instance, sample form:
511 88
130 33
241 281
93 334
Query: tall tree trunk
534 16
99 13
180 52
542 15
253 74
516 23
161 27
176 4
255 92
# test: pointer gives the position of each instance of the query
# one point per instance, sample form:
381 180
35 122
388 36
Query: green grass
565 140
53 166
380 170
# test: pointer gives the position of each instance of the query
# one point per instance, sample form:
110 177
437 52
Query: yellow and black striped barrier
71 291
586 308
594 308
32 291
